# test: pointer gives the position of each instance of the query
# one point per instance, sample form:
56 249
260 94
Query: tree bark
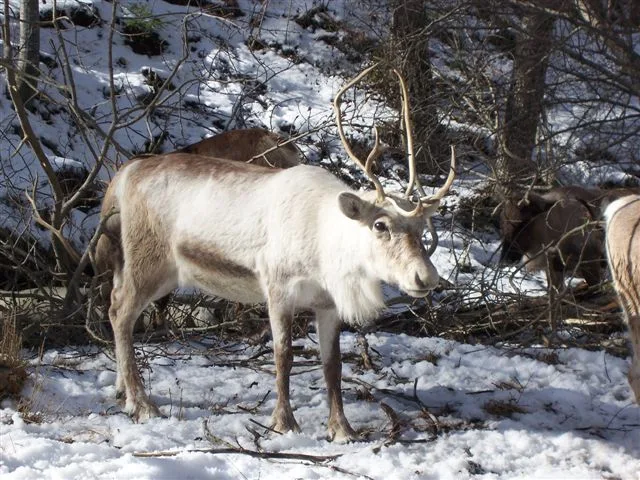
525 100
29 53
410 53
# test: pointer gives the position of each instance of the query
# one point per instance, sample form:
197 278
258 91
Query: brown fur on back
596 199
190 165
243 145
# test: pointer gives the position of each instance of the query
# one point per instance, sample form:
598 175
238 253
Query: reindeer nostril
419 281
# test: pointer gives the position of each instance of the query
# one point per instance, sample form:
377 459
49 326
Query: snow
465 411
576 418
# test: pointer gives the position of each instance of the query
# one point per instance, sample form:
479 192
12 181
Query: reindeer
253 145
295 238
623 253
554 232
558 231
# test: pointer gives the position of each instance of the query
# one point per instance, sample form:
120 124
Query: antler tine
445 188
408 127
434 237
366 167
375 153
439 194
406 213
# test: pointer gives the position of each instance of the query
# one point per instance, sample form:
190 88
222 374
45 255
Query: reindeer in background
558 232
252 145
295 238
553 232
623 253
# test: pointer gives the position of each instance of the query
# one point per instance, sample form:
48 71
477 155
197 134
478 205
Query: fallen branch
396 425
316 459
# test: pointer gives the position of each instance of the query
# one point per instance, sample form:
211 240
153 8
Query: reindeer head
516 215
393 225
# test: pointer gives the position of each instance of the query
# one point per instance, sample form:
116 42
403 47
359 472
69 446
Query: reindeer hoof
143 411
283 421
343 434
344 438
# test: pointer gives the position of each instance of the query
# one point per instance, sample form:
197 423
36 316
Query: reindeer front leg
281 318
328 325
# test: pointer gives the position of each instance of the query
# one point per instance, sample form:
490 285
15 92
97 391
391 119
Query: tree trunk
29 54
524 102
409 51
617 23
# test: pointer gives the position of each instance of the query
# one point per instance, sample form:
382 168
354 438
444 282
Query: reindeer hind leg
127 303
134 287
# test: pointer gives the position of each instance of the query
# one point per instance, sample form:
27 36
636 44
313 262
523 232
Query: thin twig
54 231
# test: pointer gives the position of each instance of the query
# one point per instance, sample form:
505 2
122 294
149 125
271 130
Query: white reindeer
623 252
296 238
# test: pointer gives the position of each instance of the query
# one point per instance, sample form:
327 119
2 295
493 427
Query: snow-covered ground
461 411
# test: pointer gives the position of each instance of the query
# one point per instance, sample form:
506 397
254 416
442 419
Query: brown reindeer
623 252
295 238
555 233
253 145
558 232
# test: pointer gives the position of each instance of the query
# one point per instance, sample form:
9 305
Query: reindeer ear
351 205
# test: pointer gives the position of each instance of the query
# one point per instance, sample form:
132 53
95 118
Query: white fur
297 236
623 252
617 204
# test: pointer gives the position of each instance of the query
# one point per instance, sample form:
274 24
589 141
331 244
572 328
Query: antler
408 128
447 184
375 153
411 160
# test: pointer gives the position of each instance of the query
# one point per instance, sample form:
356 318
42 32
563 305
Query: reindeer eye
380 226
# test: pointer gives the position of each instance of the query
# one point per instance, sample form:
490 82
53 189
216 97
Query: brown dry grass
499 408
13 371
